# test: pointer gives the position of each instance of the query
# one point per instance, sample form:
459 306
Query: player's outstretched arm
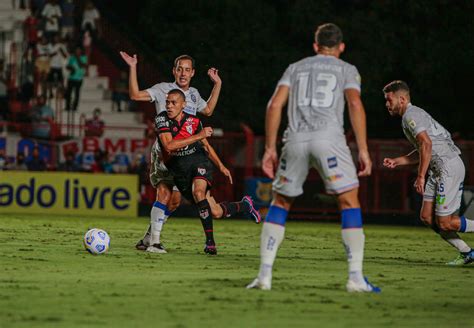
215 92
133 90
170 144
359 125
216 160
272 124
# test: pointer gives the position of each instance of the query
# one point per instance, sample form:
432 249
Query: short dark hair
177 92
183 57
328 35
397 85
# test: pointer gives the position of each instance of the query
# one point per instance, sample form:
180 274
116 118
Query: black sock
206 220
232 208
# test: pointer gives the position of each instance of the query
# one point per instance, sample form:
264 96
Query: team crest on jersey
175 129
201 170
189 128
193 98
412 124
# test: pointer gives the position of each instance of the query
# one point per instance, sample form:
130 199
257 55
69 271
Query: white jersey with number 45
316 101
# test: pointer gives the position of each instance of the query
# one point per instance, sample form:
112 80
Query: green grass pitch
47 279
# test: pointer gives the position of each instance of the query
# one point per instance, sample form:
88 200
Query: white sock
468 224
270 240
354 240
453 239
157 219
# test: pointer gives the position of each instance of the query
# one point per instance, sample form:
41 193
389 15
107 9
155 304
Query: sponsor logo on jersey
201 170
283 164
412 124
332 162
160 118
193 98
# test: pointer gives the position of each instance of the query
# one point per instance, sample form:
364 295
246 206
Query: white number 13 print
324 95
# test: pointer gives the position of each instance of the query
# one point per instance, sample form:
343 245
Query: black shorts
55 75
187 171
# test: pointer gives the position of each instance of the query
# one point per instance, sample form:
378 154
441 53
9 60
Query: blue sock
276 215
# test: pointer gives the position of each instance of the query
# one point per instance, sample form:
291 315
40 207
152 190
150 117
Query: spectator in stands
94 127
51 14
3 94
139 166
120 91
90 20
36 163
19 164
70 164
3 160
121 163
57 55
67 22
42 62
30 31
77 67
43 115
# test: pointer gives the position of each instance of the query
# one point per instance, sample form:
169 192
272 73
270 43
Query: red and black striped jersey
188 125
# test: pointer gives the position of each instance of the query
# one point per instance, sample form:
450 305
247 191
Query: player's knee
446 224
199 195
174 203
163 194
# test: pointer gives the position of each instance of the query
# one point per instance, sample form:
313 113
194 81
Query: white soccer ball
96 241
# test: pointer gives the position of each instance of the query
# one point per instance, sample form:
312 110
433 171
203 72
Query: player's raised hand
226 172
365 164
214 75
270 162
131 61
391 163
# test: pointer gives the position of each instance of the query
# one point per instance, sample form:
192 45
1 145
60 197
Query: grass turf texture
48 279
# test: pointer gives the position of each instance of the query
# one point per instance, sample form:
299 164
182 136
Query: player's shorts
188 171
332 159
445 188
158 171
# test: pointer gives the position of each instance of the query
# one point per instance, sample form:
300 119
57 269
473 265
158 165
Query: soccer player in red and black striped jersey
188 156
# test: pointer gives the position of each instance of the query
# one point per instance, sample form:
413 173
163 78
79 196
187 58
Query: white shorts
332 159
158 171
445 189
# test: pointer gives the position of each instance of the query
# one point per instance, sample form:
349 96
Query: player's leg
158 215
447 203
451 237
335 165
287 185
273 232
199 191
227 209
354 241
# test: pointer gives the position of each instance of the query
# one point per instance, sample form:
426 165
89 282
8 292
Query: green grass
48 280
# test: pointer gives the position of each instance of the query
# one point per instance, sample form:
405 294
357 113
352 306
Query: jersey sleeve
286 78
162 124
201 104
352 79
157 94
416 122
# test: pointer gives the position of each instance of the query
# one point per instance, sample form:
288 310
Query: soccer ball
96 241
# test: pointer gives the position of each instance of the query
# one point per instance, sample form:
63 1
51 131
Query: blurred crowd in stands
58 35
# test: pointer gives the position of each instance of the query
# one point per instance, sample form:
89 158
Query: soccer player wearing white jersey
168 197
316 89
439 157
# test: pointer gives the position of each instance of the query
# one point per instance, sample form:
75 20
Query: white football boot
364 287
257 284
156 248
